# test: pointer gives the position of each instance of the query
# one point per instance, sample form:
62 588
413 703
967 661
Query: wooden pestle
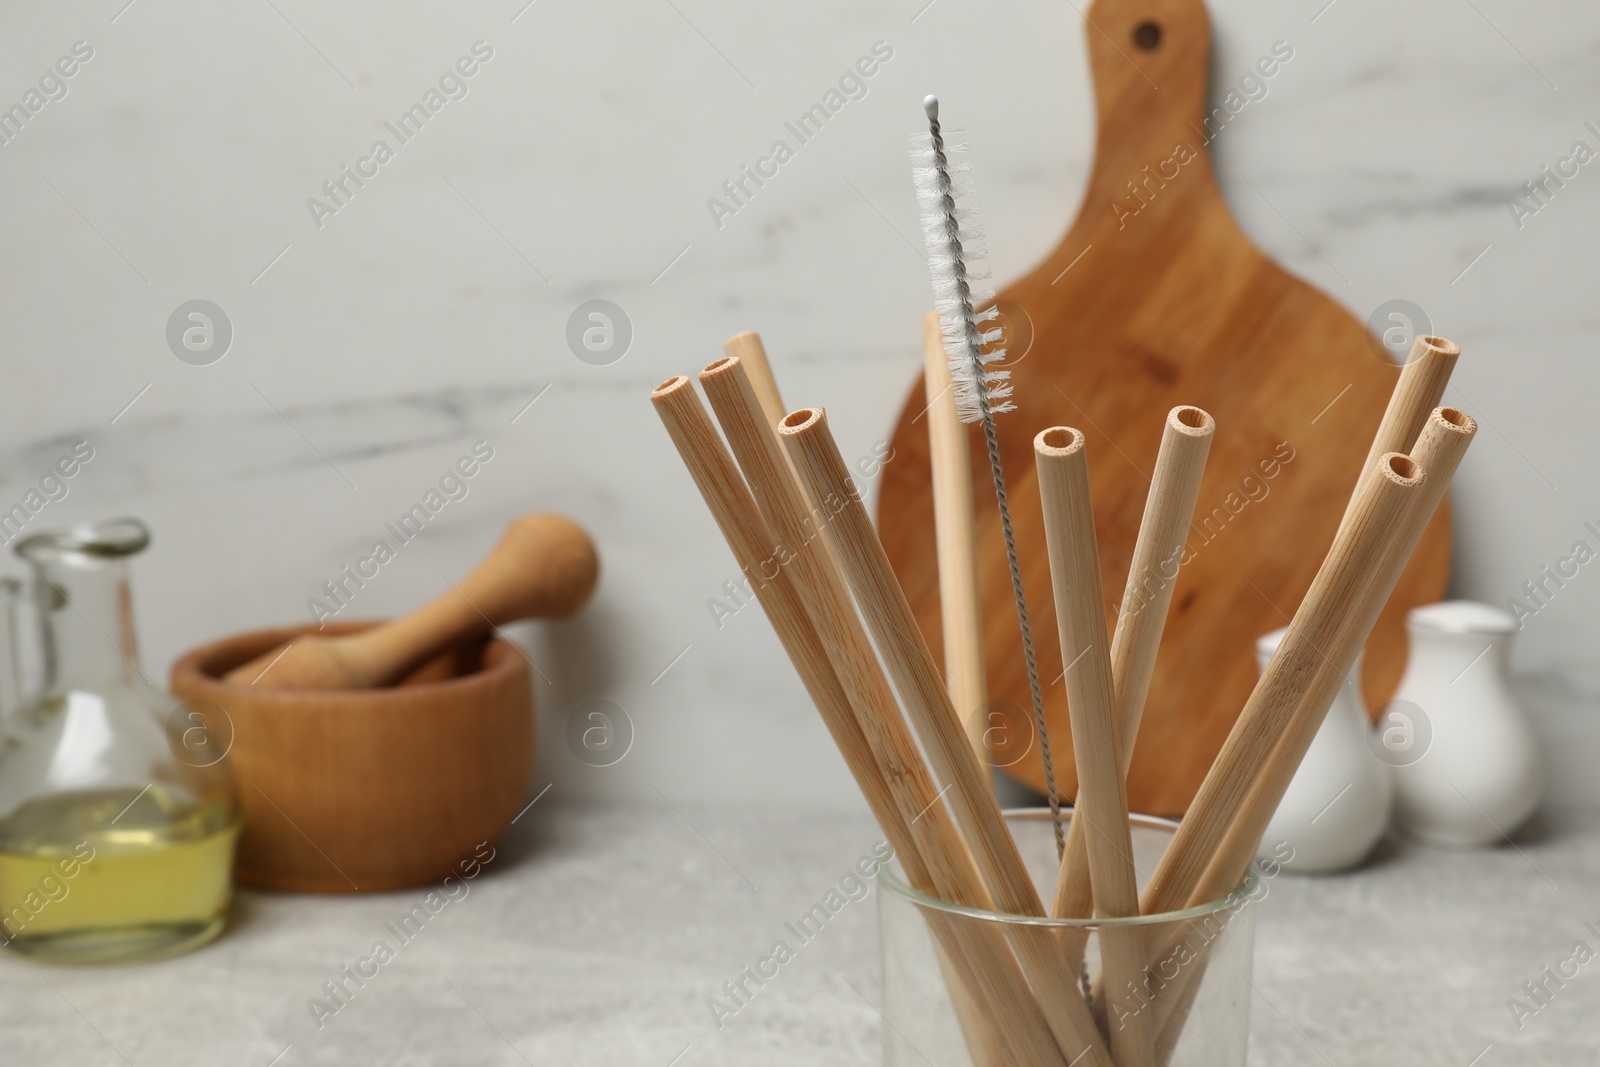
545 566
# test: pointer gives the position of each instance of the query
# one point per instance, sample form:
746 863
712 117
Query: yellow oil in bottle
114 874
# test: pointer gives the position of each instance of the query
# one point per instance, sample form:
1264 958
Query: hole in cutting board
1147 35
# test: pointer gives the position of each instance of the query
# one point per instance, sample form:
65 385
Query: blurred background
377 337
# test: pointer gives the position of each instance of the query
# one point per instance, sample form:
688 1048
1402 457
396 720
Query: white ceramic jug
1477 773
1337 806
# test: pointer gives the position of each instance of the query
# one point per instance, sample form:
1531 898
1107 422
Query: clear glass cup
1195 987
118 815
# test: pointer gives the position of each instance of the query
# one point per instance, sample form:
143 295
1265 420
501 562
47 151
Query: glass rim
893 881
106 539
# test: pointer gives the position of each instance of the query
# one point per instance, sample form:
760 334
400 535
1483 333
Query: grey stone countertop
596 936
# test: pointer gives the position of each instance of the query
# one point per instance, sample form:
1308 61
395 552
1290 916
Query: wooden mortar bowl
369 790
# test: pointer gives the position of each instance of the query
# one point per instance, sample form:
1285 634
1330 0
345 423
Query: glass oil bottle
117 812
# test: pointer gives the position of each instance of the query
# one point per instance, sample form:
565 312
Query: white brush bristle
944 231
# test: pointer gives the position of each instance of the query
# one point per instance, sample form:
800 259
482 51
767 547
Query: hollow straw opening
1402 467
671 385
1058 441
1189 418
717 366
892 881
1453 417
799 420
1441 345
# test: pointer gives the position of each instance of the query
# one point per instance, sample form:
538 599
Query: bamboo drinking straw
1059 456
990 977
748 349
1418 391
1439 449
1324 604
1438 452
752 356
1163 531
955 536
1381 504
811 447
827 602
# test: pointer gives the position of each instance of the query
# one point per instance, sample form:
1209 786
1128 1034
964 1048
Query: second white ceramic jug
1477 773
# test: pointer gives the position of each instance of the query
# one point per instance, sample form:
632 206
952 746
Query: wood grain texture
1421 387
748 349
1438 451
955 536
892 748
395 786
1152 580
1063 470
834 498
1375 526
985 969
1131 314
1373 534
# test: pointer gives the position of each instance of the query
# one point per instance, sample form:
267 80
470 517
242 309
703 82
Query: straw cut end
1401 469
800 420
1426 345
668 387
1191 421
1058 441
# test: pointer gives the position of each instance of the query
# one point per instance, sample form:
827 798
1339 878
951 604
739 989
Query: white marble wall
431 309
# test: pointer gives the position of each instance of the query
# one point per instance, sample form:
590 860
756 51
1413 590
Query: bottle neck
85 613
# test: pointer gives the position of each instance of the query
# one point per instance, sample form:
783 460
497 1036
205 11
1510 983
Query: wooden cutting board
1156 298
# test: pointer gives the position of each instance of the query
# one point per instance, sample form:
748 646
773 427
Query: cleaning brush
953 240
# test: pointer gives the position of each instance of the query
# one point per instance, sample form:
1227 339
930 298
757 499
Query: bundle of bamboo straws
785 501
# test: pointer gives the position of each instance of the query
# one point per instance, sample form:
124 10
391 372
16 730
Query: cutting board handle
1150 61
